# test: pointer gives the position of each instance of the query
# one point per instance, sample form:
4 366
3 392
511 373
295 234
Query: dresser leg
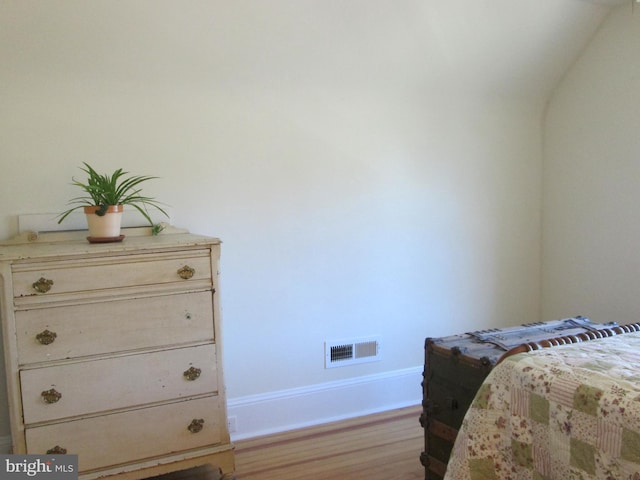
227 476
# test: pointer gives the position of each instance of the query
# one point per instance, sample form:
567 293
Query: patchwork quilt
561 413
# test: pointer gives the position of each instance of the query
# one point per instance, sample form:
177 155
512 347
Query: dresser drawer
57 333
115 383
134 435
101 274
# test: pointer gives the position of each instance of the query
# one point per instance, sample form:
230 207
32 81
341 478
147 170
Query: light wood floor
382 446
385 446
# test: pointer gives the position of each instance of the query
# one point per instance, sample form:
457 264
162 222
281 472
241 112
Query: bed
568 412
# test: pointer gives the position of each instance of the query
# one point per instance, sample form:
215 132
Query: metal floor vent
339 353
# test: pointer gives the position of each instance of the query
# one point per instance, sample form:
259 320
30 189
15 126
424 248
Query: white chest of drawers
113 352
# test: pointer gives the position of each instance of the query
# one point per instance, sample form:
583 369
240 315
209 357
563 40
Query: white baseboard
274 412
284 410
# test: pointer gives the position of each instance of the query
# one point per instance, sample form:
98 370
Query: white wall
372 168
591 178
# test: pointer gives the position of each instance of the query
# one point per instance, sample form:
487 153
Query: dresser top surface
75 243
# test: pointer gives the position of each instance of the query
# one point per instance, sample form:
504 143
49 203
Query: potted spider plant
103 201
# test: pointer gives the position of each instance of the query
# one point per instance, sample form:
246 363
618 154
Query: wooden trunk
455 367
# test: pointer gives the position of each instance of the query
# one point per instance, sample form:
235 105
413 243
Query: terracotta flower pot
104 226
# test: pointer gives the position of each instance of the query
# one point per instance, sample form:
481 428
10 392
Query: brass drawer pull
186 272
192 373
42 285
57 450
51 396
46 337
196 425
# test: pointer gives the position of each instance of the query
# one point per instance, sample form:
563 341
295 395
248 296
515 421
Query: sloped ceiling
502 47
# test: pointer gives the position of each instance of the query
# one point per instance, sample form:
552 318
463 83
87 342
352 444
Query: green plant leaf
114 189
